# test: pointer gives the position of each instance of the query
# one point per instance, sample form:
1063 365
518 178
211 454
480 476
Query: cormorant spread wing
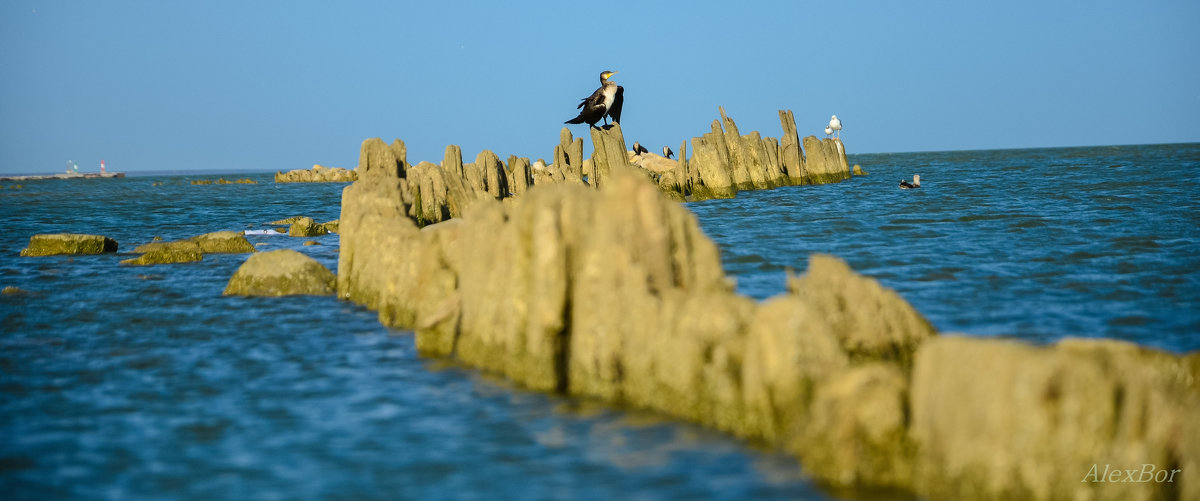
618 101
604 102
591 109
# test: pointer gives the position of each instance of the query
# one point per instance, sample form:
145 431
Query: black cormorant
916 183
638 149
667 151
605 102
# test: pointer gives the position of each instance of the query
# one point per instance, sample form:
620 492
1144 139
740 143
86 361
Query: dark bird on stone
605 102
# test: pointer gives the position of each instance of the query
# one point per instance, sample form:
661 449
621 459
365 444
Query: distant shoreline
148 173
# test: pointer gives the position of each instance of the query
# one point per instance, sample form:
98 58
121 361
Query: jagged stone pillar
791 155
519 177
608 152
709 167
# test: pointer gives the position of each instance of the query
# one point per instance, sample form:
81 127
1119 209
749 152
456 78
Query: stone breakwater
723 162
317 174
616 294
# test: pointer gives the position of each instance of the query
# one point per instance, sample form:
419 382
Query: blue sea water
124 382
1035 244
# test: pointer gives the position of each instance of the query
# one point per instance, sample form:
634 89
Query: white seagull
828 131
836 125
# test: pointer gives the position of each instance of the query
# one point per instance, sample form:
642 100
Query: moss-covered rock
179 246
306 227
317 174
218 242
285 221
223 242
68 243
167 255
281 273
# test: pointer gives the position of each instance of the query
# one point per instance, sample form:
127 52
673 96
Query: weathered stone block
68 243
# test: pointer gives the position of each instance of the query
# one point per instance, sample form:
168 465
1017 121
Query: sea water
1033 244
121 382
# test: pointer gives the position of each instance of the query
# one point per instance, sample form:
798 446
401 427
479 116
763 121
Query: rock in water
318 174
217 242
68 243
282 272
227 242
167 255
306 227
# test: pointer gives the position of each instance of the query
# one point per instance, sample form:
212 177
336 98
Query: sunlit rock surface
282 272
609 290
68 243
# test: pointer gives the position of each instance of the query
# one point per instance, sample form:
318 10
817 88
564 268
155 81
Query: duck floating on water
916 183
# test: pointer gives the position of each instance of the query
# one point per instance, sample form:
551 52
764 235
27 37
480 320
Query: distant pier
73 175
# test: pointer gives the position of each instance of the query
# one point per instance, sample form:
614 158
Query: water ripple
1034 244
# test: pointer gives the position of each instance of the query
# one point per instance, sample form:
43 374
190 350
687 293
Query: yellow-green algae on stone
223 242
306 227
318 174
282 272
218 242
167 255
68 243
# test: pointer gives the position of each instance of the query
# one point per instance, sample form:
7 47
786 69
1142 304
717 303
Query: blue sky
256 86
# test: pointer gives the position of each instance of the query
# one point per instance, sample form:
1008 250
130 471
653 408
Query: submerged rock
281 273
223 242
167 255
68 243
181 246
285 221
224 181
218 242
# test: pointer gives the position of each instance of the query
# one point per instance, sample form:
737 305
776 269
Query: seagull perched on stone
836 125
667 151
638 149
828 131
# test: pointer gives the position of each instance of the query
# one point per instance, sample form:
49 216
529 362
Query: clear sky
166 85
